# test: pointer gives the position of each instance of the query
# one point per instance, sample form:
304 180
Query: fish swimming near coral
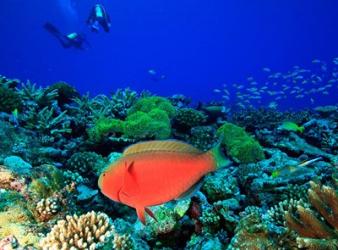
155 172
293 171
291 126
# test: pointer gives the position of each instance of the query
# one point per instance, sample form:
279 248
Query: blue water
198 45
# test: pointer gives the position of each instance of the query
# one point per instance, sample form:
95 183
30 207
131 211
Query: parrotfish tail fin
220 159
301 129
140 215
150 213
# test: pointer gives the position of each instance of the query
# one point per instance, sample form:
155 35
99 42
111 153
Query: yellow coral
14 221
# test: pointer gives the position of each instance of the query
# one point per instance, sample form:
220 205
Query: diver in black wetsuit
74 39
99 16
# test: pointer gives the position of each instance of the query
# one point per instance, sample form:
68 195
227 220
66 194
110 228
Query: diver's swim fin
51 28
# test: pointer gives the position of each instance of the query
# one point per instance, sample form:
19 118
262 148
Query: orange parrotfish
155 172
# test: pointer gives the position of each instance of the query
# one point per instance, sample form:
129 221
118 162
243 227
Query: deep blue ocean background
198 45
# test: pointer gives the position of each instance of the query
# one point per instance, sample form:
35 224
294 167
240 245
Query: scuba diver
74 39
98 16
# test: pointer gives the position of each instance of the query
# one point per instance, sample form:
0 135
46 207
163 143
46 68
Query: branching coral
8 83
277 212
49 122
122 100
47 208
65 92
316 233
88 231
38 95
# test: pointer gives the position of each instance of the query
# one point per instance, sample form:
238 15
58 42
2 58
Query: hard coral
86 163
203 137
220 185
122 100
123 242
47 208
251 233
317 233
239 145
9 100
88 231
65 92
188 117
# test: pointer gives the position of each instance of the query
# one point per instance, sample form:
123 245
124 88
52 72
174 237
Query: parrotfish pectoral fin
140 215
130 187
192 190
150 213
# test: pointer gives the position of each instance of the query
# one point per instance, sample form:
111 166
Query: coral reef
55 143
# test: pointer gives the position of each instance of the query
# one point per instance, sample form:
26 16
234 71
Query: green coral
9 100
147 104
154 125
148 118
240 145
104 126
86 163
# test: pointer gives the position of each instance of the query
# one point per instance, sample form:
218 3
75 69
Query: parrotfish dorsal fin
130 187
158 146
